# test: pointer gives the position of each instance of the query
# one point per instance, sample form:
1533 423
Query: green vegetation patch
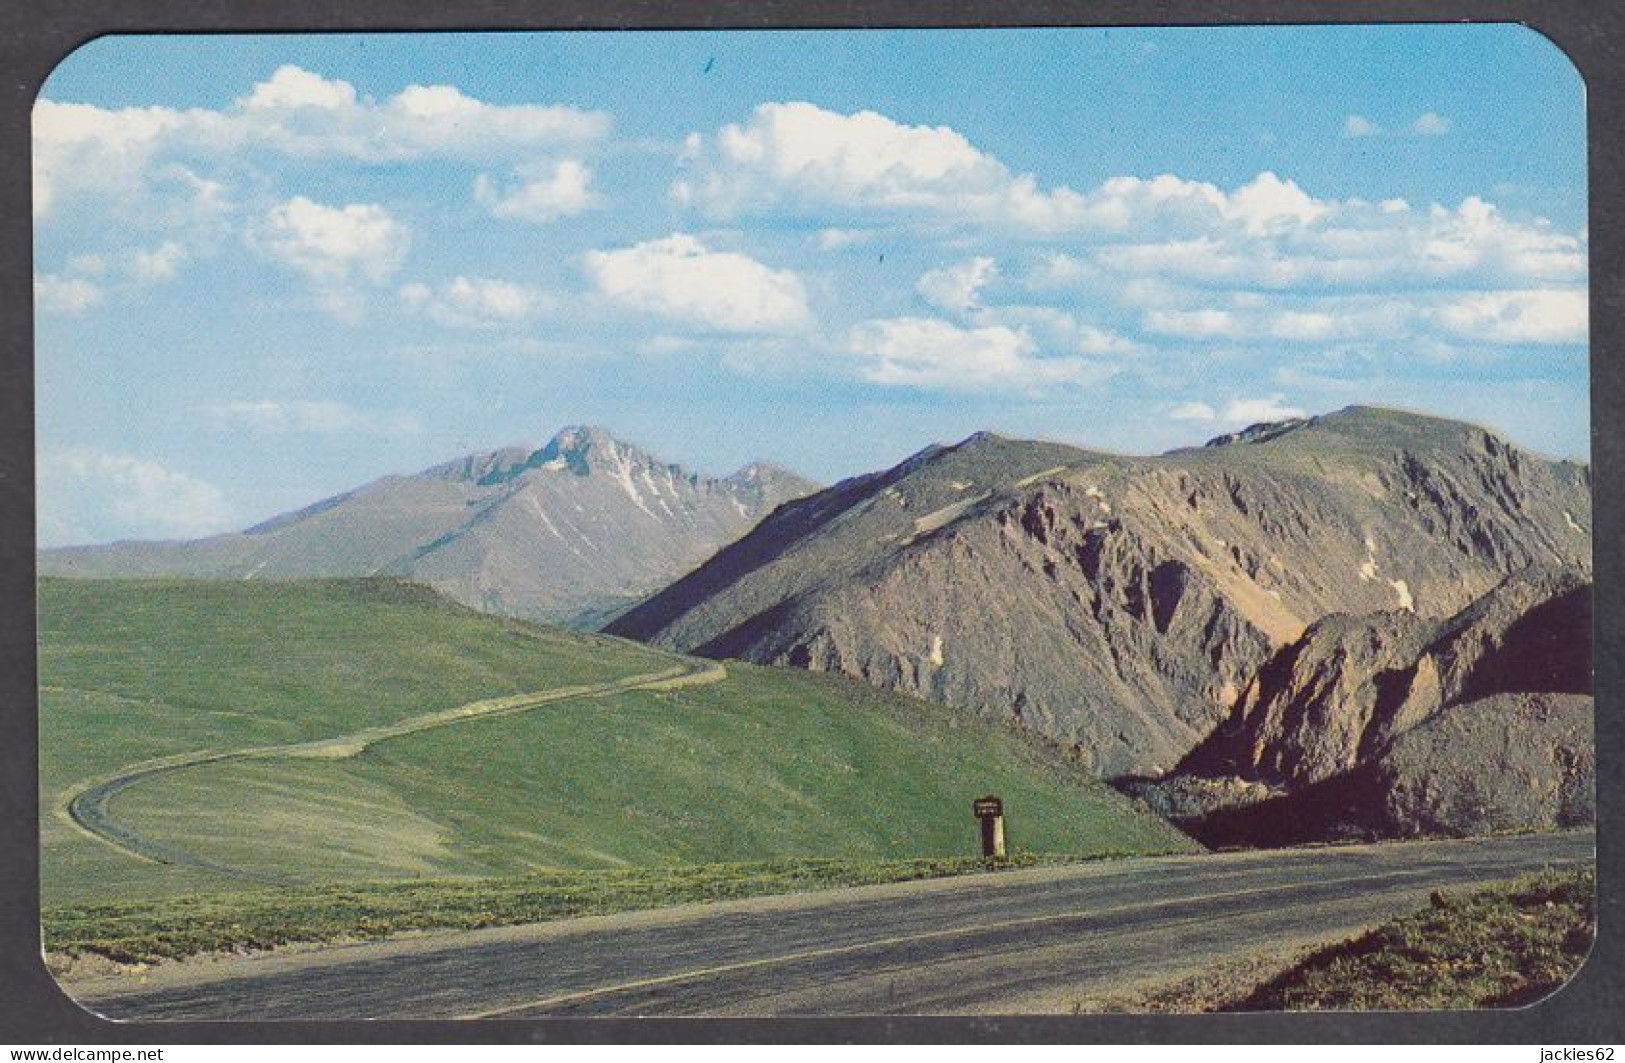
136 669
146 932
1501 947
767 764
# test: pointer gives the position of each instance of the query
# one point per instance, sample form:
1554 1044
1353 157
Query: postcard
1038 521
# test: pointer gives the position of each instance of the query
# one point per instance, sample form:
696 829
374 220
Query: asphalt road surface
1014 942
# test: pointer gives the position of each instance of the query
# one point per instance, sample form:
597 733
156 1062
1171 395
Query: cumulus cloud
1516 317
1243 412
1362 245
789 149
1206 323
800 157
797 156
839 239
1358 125
1238 412
1268 204
1431 125
680 278
91 277
335 248
477 302
1128 233
87 495
1192 411
955 288
935 354
159 263
540 193
54 294
305 416
1309 321
1057 330
81 147
1537 316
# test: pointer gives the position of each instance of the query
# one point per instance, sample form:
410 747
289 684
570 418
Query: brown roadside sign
986 807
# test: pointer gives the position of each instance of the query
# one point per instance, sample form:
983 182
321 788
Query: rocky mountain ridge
1391 725
572 531
1121 605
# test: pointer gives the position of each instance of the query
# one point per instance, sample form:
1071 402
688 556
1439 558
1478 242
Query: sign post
990 810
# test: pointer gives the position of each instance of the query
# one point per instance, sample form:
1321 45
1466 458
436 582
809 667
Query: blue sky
272 268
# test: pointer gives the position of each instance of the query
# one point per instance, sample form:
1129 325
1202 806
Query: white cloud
1268 232
668 346
1511 317
798 148
91 277
1057 330
1357 125
305 416
935 354
80 147
1056 270
334 247
1250 316
1350 246
1501 317
800 157
1242 412
1268 204
679 277
1431 125
838 239
955 288
797 156
541 193
90 265
291 88
86 494
54 294
84 148
1193 324
477 302
1192 411
1317 326
158 264
1237 413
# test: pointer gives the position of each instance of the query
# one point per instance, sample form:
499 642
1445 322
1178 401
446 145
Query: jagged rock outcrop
1506 762
1121 605
572 531
1352 684
1388 725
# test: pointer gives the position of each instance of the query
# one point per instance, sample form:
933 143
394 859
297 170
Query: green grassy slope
131 670
765 764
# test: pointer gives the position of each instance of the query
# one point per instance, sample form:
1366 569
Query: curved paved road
1026 941
87 805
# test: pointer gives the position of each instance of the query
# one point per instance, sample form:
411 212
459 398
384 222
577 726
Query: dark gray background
36 34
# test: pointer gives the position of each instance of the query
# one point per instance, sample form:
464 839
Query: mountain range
1123 606
571 532
1367 623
